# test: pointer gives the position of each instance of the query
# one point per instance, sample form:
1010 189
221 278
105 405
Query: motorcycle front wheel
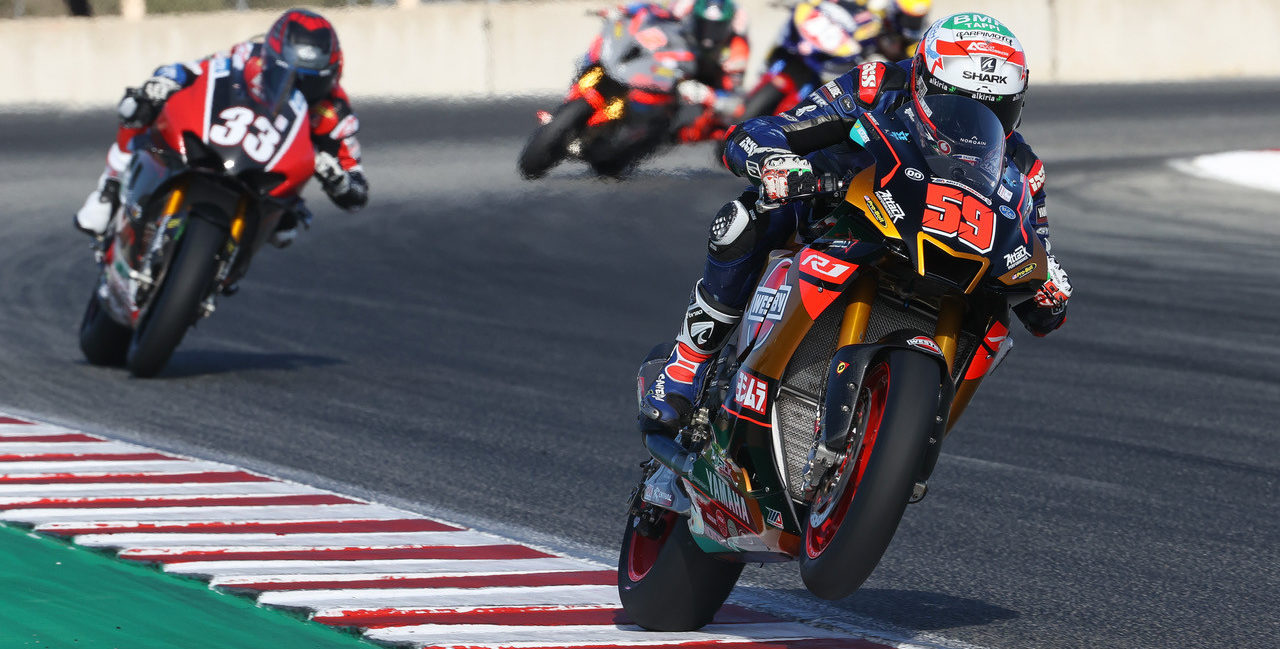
665 581
176 305
547 146
852 521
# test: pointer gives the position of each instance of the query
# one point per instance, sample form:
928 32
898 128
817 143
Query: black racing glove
347 189
140 106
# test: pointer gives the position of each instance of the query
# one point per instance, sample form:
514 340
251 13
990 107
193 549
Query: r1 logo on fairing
824 266
752 393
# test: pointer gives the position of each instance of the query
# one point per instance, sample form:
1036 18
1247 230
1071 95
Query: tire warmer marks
399 577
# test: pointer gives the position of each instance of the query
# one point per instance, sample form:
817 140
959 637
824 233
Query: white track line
233 581
480 635
102 466
443 597
130 489
434 567
277 512
256 540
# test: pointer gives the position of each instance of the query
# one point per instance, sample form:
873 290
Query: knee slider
733 232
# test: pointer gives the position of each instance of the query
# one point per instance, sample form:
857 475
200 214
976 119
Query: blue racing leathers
818 129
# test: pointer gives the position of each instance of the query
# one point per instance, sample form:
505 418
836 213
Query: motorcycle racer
968 54
717 29
903 25
300 51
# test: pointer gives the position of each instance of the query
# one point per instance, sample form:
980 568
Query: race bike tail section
859 350
622 104
207 185
822 40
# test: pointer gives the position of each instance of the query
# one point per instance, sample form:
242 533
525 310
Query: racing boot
95 215
668 404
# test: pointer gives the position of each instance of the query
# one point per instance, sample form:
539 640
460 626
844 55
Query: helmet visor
961 139
1007 108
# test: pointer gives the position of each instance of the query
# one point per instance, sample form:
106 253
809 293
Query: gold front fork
858 312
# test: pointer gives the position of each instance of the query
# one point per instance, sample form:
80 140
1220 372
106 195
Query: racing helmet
712 23
301 51
973 55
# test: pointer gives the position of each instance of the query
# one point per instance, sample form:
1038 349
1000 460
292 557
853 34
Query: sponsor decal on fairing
751 393
1024 271
914 174
1016 257
726 497
925 342
768 303
773 517
895 211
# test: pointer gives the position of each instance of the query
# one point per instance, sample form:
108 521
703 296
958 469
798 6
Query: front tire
665 581
103 340
851 524
177 303
547 146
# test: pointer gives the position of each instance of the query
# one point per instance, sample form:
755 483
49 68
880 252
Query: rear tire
666 582
103 340
842 547
176 306
546 147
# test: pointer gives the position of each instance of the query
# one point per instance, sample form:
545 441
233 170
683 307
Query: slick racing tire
546 147
852 521
103 340
665 581
176 305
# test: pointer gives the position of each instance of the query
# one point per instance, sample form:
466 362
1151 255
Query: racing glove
1047 310
783 175
140 106
348 189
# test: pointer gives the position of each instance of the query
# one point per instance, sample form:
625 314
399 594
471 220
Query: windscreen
961 139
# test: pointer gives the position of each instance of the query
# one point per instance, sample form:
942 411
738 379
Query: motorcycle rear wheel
850 526
547 146
103 340
177 302
665 581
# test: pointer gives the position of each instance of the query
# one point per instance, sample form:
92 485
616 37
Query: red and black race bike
824 416
623 105
207 185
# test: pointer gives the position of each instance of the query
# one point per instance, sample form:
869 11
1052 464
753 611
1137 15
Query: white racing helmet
973 55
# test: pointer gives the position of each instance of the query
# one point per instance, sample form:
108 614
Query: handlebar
828 186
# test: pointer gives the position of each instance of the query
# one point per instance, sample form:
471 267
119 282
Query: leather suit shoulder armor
1028 163
876 78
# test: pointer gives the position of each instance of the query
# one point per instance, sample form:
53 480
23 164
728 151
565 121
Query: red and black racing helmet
301 51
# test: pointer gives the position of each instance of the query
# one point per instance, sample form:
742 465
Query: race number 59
951 212
234 129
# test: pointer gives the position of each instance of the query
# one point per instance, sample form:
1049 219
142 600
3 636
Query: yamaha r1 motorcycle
824 416
823 40
623 105
207 185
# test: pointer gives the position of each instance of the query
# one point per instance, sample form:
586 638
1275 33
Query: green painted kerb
61 596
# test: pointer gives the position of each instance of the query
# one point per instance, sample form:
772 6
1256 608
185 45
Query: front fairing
647 53
954 235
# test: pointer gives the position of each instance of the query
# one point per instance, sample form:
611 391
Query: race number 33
234 127
951 212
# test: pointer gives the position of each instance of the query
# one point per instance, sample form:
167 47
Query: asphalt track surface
467 345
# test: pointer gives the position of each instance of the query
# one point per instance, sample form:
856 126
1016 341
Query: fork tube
950 314
174 203
858 313
237 223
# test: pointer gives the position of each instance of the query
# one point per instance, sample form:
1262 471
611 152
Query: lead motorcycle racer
300 50
968 54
